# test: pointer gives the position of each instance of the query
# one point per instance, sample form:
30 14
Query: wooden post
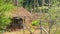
49 5
34 6
43 2
40 27
16 2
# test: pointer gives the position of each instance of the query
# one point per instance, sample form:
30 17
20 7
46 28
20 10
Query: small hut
21 12
20 16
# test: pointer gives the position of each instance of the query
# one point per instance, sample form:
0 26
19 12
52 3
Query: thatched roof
20 12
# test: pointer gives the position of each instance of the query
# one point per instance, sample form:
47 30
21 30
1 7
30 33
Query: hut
22 13
20 16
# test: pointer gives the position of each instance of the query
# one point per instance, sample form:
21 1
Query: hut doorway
17 23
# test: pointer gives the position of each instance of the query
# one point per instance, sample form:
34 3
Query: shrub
35 23
5 19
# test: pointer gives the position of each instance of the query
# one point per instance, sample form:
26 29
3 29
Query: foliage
54 10
5 19
35 23
6 7
43 7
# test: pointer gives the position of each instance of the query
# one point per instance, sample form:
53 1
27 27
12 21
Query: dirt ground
22 32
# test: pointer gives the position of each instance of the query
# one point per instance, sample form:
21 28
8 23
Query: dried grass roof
20 12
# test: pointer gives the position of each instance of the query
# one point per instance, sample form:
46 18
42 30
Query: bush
5 19
35 23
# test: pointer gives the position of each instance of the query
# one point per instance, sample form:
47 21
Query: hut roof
20 12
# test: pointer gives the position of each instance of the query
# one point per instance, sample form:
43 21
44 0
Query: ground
21 32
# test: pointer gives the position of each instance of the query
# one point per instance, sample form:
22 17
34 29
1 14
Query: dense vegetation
5 19
7 5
